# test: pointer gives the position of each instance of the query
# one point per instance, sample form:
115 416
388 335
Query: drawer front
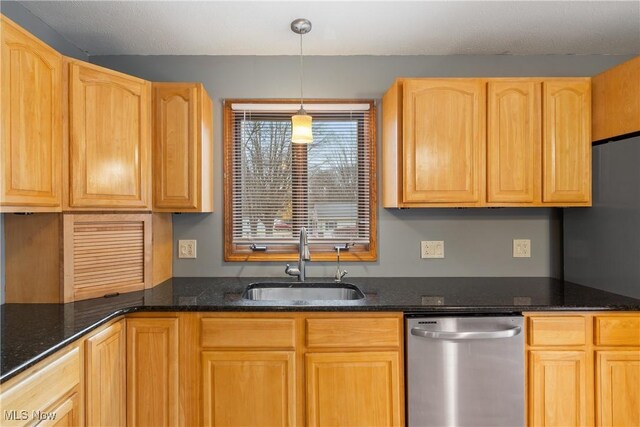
42 388
248 333
557 330
617 330
349 332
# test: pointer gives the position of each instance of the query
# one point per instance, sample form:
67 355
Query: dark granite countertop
31 332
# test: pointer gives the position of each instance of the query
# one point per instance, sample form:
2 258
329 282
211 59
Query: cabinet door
106 254
444 141
176 141
248 388
46 392
618 388
152 372
106 377
353 389
557 388
31 123
513 142
64 414
110 144
566 143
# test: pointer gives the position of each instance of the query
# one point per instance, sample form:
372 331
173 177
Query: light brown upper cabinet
513 142
31 145
436 147
109 153
616 101
537 150
182 148
566 148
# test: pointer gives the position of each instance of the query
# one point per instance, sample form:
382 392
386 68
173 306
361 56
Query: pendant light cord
301 73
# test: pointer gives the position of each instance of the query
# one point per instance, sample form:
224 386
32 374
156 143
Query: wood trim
162 247
391 146
290 252
66 134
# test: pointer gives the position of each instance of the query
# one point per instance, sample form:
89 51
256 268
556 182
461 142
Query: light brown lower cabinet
105 376
618 388
314 369
558 388
48 394
353 389
583 369
249 388
152 371
67 413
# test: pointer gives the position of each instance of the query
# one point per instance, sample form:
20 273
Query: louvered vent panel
108 253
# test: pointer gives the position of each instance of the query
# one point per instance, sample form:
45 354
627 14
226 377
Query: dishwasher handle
466 335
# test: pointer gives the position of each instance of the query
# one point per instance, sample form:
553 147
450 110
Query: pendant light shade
301 132
301 123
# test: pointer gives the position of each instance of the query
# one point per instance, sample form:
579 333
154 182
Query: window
272 187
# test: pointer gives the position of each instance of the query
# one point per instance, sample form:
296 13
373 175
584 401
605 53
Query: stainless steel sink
305 291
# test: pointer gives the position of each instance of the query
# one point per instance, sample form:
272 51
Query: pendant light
301 132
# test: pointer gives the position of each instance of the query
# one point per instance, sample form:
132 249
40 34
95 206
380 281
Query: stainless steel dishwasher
465 371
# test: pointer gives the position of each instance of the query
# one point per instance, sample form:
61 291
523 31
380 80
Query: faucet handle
339 275
291 271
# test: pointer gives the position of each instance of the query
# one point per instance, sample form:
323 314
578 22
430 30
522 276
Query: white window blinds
278 187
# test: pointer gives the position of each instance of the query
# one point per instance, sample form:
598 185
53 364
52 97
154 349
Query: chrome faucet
303 255
341 273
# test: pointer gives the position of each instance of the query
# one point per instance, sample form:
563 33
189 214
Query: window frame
235 252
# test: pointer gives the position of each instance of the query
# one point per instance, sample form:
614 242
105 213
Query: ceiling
345 27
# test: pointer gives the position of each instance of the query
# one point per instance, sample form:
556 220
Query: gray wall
602 244
21 16
477 241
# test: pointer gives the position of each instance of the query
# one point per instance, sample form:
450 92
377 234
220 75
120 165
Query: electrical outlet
187 248
432 249
521 248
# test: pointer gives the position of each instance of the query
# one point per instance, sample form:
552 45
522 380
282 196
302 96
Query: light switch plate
187 248
521 248
432 249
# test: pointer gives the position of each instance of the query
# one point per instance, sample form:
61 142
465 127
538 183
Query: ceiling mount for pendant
301 26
